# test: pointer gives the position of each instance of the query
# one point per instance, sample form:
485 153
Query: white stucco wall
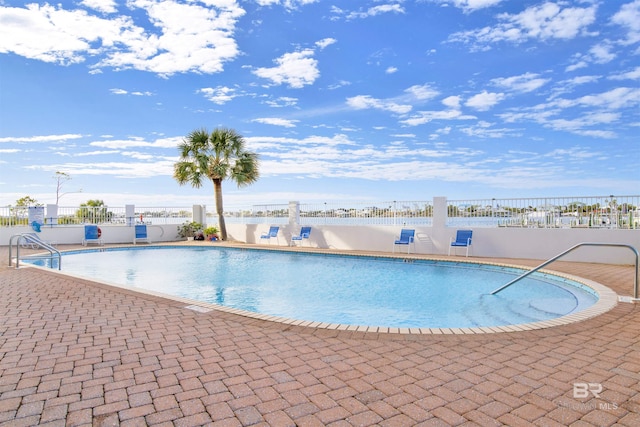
70 234
531 243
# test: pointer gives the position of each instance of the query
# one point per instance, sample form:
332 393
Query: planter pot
190 238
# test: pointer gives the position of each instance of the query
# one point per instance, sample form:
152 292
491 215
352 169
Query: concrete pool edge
607 298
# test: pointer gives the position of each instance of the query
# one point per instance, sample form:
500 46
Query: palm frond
245 170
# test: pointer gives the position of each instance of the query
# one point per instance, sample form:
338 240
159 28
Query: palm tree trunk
217 189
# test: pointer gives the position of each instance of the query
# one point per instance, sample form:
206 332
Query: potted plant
211 233
189 229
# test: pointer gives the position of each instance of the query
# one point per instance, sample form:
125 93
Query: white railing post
439 212
52 214
129 214
294 213
198 214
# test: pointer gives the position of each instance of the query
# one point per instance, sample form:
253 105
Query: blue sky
342 100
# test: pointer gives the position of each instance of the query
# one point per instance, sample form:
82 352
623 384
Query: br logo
582 390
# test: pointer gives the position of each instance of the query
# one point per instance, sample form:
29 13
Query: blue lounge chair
406 238
463 239
34 240
273 232
141 233
305 232
92 234
30 241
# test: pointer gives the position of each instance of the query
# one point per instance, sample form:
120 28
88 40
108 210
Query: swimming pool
338 289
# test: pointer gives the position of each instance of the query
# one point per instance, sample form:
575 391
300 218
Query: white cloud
566 86
551 21
484 100
117 91
120 144
422 92
49 34
527 82
581 125
578 65
105 6
218 95
469 5
545 21
277 122
41 138
614 99
139 156
601 53
267 2
377 10
283 101
580 80
397 105
363 102
484 129
391 70
326 42
595 110
91 153
404 135
439 132
452 102
628 75
338 85
629 16
422 117
150 169
296 69
598 54
292 145
189 37
288 4
138 93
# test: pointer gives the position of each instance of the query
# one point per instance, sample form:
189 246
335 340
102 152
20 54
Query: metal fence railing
548 212
164 215
257 214
338 213
17 216
368 213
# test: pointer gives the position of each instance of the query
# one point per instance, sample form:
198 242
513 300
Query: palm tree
217 156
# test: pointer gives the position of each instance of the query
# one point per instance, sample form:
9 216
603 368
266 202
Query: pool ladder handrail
635 251
34 240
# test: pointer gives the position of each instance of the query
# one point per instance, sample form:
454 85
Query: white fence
548 212
338 213
66 215
621 212
514 228
543 212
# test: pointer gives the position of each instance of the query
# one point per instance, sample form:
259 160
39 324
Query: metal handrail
635 285
33 239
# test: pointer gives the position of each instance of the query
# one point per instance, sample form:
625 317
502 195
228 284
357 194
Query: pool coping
607 298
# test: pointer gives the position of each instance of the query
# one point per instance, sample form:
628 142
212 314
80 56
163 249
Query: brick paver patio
78 353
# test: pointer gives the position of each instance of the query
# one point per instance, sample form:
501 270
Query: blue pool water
374 291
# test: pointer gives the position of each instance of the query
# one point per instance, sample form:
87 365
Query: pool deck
80 353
